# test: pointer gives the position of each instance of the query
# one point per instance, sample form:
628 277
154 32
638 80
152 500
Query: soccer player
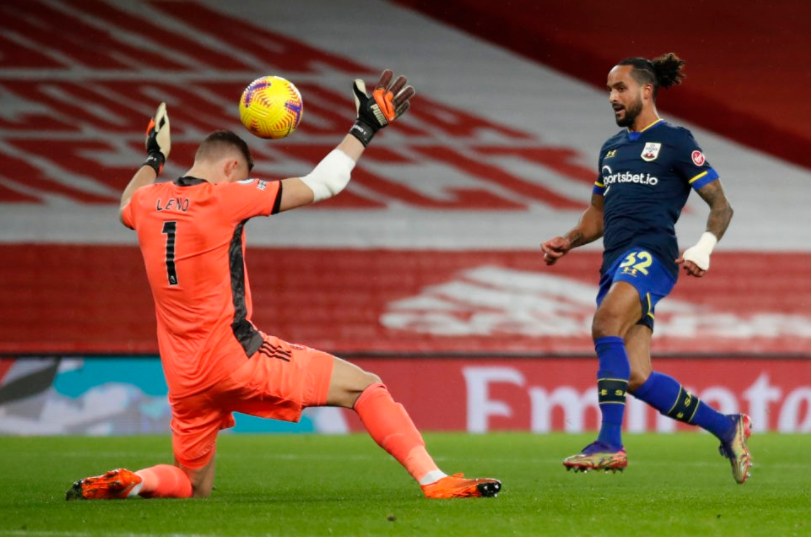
191 234
646 172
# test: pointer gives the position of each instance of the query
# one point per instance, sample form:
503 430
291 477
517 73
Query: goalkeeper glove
388 102
158 141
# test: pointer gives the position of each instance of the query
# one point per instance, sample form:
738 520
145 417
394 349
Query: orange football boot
456 486
113 485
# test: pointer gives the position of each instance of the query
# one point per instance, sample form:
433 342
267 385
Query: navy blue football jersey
645 179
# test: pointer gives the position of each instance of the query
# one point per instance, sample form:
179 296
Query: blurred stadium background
427 269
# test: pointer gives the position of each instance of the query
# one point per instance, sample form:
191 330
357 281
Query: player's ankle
135 491
432 477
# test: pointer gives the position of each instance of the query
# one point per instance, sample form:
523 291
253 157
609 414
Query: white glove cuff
330 176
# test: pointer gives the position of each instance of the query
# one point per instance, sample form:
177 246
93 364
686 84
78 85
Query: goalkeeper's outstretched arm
158 144
388 101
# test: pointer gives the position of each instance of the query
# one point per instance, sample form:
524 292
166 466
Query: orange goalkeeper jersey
193 243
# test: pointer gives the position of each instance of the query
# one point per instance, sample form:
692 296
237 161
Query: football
271 107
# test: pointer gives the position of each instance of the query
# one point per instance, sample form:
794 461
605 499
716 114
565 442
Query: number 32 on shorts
637 261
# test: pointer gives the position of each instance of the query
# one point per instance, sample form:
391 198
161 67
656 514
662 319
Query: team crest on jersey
651 151
698 158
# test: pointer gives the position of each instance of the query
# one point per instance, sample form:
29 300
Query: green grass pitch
302 485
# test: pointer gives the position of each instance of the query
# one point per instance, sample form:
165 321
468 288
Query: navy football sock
665 394
612 384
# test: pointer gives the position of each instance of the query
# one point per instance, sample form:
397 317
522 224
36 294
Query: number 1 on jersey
170 230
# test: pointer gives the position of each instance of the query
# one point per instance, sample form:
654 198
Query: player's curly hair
217 141
664 71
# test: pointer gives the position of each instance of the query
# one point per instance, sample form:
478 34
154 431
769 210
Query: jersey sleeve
599 186
691 163
254 197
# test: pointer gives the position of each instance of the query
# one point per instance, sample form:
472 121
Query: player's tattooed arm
590 226
720 209
696 260
588 229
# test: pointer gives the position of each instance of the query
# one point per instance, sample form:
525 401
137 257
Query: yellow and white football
271 107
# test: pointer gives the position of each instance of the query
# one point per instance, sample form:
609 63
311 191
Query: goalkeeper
216 362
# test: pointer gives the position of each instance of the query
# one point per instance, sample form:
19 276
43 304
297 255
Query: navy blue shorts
647 274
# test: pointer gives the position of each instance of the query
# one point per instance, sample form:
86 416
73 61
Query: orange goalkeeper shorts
279 381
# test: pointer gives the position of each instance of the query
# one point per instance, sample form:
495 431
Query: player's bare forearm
696 259
590 226
588 229
720 208
144 176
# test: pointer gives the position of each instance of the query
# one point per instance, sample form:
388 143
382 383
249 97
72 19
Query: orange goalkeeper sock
164 481
390 426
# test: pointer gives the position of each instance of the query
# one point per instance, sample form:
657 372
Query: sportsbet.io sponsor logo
609 177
